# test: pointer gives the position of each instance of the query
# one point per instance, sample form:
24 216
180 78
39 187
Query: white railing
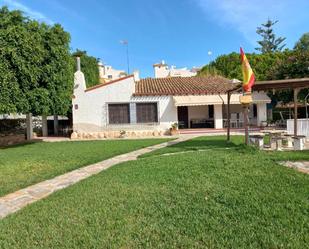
302 127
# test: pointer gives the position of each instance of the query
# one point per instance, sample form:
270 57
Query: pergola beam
293 84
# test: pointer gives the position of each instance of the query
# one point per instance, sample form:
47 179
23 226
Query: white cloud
28 11
245 15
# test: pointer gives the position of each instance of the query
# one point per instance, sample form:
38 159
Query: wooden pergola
271 85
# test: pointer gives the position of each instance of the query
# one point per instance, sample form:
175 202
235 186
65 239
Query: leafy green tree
225 65
295 64
89 66
303 43
229 65
269 43
35 63
57 71
10 93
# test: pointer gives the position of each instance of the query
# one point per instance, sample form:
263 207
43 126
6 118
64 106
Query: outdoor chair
233 121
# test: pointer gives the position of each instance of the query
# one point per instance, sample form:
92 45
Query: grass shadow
23 144
205 144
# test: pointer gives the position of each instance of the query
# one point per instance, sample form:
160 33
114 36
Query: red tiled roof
183 86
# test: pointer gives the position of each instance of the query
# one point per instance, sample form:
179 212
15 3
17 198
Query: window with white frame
119 113
146 112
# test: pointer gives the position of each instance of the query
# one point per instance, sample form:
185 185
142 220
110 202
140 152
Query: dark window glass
146 112
254 111
211 111
119 113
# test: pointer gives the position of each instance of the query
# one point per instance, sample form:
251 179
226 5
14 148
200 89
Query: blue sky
179 31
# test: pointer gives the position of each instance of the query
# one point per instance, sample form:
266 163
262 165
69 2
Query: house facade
108 73
162 70
152 105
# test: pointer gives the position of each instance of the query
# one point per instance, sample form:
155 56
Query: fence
302 127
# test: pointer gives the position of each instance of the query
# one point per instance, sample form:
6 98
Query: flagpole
246 98
246 124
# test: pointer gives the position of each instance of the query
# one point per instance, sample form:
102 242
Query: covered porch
210 111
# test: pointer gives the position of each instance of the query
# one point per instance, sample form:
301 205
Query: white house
108 73
154 104
162 70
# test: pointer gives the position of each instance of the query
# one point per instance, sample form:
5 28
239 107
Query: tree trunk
44 126
29 126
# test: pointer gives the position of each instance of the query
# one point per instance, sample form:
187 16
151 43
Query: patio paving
23 197
302 166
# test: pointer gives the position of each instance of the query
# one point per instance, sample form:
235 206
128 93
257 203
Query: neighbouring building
108 73
162 70
152 105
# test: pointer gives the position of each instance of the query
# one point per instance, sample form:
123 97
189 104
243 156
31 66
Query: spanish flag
248 75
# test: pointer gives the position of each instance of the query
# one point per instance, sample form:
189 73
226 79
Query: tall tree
229 65
269 43
303 43
89 66
34 60
295 64
22 55
57 71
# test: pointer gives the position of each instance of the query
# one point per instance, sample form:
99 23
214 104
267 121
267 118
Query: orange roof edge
108 83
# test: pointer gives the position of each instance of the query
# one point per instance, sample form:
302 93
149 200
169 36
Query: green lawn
215 195
23 165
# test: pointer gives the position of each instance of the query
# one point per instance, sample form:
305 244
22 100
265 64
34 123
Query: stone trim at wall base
118 134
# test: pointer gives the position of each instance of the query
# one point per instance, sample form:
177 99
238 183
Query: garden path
23 197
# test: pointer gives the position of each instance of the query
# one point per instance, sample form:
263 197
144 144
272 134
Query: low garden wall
117 134
9 139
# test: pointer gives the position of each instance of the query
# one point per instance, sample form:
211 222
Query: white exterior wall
105 71
302 127
261 113
162 71
90 108
91 114
218 116
167 111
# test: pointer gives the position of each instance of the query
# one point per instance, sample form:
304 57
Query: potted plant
174 129
123 134
264 123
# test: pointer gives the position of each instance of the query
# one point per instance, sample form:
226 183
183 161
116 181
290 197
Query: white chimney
77 63
136 75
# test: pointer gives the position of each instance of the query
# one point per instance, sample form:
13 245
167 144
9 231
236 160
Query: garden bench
299 142
257 140
289 140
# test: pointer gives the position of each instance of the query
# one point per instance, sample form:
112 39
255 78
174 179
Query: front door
182 112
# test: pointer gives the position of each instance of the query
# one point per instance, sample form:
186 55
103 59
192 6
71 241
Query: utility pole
126 43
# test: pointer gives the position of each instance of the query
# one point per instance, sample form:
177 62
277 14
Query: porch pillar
44 126
261 113
56 125
218 117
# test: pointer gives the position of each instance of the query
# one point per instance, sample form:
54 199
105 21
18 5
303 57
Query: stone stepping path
23 197
302 166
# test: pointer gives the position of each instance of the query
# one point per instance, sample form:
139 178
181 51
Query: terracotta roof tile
183 86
